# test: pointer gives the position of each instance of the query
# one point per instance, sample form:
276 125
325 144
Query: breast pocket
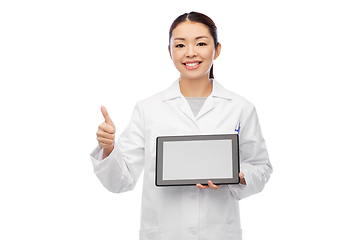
222 131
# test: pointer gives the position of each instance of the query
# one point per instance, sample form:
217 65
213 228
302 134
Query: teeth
192 64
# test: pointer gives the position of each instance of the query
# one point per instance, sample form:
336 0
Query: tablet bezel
160 182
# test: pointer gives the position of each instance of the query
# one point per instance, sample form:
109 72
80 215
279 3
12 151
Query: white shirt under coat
186 212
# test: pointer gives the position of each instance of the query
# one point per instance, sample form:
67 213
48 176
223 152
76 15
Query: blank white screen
205 159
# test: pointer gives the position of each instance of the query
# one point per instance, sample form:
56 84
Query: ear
217 51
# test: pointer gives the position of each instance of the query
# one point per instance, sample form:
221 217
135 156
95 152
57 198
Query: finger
213 186
242 178
105 141
201 186
106 116
103 134
107 128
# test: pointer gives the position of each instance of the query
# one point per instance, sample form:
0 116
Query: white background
297 61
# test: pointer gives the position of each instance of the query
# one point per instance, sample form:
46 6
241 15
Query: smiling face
192 50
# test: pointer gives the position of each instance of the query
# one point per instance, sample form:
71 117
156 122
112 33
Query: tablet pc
192 159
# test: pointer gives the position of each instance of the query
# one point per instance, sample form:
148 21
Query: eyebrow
201 37
183 39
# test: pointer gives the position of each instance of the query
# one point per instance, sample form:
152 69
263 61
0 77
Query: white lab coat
186 212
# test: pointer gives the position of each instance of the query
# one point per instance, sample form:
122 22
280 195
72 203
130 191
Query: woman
194 104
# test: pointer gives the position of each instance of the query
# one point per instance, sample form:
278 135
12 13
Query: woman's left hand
242 178
213 186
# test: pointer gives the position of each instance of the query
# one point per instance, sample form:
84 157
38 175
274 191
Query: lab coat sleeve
254 159
120 171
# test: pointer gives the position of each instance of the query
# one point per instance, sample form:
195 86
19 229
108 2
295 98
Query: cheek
177 56
208 54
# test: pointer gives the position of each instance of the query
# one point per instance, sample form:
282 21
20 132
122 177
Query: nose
191 52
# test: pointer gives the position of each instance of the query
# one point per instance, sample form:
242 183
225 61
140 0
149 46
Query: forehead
190 30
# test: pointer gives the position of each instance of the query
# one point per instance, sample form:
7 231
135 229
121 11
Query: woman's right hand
106 133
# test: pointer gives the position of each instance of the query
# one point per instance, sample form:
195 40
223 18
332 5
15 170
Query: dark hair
199 18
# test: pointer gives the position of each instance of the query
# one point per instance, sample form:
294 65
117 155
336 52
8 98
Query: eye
180 45
202 44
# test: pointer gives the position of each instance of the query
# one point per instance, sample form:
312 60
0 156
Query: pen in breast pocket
238 126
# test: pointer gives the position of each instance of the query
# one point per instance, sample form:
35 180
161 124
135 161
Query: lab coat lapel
185 107
208 105
218 91
174 92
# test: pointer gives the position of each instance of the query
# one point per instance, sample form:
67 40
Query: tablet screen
197 159
187 160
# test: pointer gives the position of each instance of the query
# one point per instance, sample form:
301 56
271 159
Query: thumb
242 178
106 116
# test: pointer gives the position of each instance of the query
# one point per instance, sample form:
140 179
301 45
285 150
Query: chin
194 76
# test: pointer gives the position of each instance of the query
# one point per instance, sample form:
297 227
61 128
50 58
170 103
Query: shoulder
238 99
158 98
235 98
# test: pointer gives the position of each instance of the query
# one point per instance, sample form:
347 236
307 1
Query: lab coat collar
218 91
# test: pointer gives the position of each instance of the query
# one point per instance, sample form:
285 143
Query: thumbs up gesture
106 133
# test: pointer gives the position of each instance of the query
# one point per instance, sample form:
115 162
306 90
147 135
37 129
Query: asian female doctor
194 104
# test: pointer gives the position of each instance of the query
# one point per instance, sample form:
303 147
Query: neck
195 87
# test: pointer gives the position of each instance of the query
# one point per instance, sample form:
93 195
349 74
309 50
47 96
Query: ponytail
211 72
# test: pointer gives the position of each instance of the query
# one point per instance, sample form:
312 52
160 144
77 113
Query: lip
192 67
